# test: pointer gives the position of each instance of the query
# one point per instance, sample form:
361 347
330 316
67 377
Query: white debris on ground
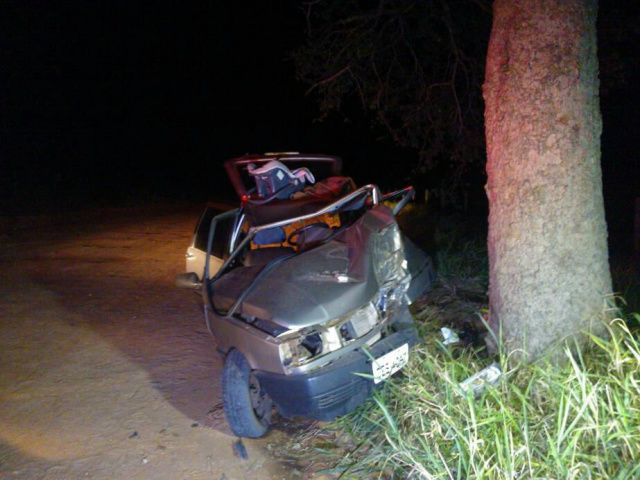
449 336
477 382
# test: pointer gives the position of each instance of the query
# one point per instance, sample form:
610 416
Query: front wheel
246 405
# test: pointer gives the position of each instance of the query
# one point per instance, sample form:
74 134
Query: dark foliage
415 68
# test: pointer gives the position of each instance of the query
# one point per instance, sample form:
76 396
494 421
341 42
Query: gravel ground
106 369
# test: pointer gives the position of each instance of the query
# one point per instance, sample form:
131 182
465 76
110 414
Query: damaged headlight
389 262
299 348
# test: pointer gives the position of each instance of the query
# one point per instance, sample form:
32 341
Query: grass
577 420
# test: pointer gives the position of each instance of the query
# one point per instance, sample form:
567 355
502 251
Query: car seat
275 180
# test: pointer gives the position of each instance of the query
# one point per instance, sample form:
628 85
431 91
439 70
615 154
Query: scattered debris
449 336
194 425
477 382
239 449
134 435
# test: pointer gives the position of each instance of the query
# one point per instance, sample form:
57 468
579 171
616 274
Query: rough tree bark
549 267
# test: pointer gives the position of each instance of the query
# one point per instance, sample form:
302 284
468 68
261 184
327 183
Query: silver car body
307 316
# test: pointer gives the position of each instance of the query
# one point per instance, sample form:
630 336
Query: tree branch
328 79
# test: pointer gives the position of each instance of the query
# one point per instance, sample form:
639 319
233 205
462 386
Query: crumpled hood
313 287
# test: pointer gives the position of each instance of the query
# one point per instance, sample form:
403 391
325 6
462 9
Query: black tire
246 405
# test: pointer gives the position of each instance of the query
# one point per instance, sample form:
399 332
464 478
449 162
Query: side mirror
188 280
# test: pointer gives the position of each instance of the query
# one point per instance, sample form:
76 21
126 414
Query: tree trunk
549 266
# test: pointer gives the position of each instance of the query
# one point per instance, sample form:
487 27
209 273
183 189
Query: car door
196 252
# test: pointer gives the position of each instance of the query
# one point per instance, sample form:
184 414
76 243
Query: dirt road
107 370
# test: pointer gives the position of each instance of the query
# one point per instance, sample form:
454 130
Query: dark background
106 103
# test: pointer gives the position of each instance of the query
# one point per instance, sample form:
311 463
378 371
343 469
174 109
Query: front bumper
335 389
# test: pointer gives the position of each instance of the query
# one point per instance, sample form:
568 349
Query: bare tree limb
328 79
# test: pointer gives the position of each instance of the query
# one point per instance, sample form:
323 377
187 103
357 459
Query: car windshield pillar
236 230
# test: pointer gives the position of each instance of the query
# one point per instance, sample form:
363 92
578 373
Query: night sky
104 102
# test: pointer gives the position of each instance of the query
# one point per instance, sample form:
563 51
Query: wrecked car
306 287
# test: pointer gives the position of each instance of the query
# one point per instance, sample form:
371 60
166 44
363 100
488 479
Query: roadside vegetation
577 420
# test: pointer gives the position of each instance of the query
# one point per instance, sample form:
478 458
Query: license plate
390 363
